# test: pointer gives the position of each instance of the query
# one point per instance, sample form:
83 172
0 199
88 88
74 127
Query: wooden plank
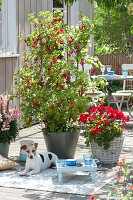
9 74
50 5
86 8
21 27
92 10
2 76
34 6
17 24
21 15
44 5
26 14
21 31
33 10
17 62
16 102
82 6
39 6
11 25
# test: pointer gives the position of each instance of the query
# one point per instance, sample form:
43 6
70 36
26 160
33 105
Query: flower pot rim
73 131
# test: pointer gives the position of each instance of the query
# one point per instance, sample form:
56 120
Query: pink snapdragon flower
7 115
1 118
6 126
5 104
14 114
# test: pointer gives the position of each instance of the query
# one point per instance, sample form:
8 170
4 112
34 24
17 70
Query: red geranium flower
118 178
102 122
119 168
123 159
93 197
120 163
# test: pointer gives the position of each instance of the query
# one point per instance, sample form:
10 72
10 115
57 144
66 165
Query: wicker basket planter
111 155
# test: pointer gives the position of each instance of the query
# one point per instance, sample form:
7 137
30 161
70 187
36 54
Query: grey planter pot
63 145
4 149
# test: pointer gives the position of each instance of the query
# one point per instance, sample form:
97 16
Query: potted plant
8 124
52 89
104 132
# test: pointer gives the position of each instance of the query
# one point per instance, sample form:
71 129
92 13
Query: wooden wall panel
34 6
44 5
86 8
9 75
9 65
16 102
26 14
39 6
2 76
21 25
50 5
17 24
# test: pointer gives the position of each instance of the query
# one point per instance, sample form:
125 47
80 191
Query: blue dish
111 73
70 162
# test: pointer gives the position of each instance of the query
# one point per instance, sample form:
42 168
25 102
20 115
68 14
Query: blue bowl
111 73
70 162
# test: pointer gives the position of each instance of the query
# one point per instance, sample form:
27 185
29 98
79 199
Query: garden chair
113 100
119 98
123 96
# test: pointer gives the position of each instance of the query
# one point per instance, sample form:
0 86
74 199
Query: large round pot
111 155
4 149
63 145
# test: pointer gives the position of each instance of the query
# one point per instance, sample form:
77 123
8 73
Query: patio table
63 168
115 77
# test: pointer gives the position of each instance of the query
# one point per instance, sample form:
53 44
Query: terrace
34 133
51 89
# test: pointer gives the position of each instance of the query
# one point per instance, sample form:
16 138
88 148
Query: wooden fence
115 60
